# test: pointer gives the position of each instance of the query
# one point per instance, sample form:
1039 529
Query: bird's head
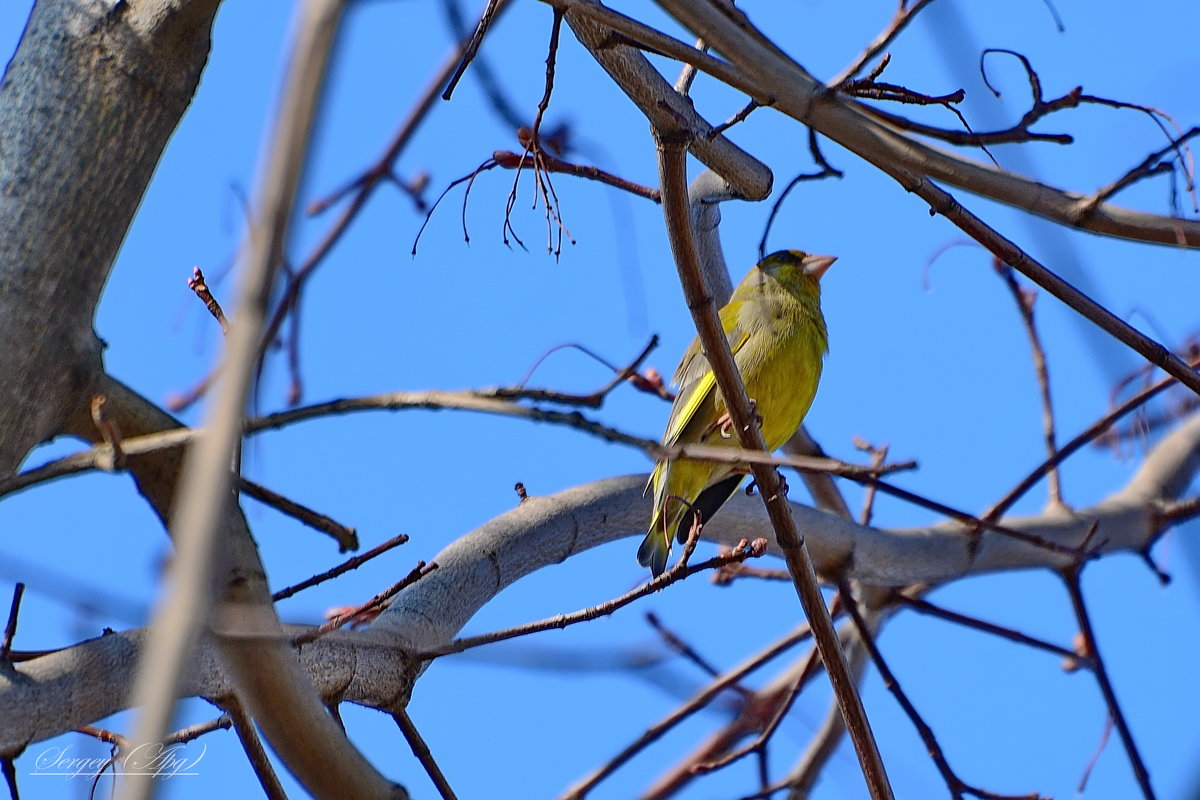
796 269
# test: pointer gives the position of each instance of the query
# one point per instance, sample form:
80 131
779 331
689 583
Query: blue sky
927 357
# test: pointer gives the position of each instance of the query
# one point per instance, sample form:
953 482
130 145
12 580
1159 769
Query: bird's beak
816 265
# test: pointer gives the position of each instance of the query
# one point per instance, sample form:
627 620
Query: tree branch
79 142
765 73
45 696
671 141
269 683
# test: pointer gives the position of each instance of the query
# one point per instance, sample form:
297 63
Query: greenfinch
775 329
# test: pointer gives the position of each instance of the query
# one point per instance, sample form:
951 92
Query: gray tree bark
87 105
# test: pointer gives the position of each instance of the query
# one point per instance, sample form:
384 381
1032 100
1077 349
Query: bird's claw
725 423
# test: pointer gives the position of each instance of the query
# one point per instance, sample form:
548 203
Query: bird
775 328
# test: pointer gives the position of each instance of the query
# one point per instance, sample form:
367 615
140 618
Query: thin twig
783 704
733 572
676 643
468 54
191 732
878 456
955 784
10 627
740 116
421 751
1087 770
904 15
1071 577
592 399
974 523
700 700
680 571
252 746
367 608
346 537
1088 434
1148 166
484 74
1019 132
543 180
925 607
181 736
1025 300
482 402
826 171
550 163
340 569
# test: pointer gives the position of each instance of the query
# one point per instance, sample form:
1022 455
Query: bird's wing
695 377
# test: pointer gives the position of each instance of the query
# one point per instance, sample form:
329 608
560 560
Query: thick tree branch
270 684
549 530
58 692
799 95
87 105
50 694
768 75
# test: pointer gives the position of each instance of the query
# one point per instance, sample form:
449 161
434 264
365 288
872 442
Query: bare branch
956 785
1091 432
10 627
253 748
925 607
904 15
347 538
1025 300
671 141
766 74
696 703
269 681
1071 577
680 571
662 105
368 610
341 569
485 20
421 751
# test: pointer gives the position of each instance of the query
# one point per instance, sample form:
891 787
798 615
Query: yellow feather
775 329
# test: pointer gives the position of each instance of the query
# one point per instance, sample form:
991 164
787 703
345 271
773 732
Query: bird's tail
656 546
676 523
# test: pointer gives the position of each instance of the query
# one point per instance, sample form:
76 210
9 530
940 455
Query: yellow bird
777 334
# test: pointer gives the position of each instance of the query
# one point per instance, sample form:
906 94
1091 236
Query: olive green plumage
775 329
